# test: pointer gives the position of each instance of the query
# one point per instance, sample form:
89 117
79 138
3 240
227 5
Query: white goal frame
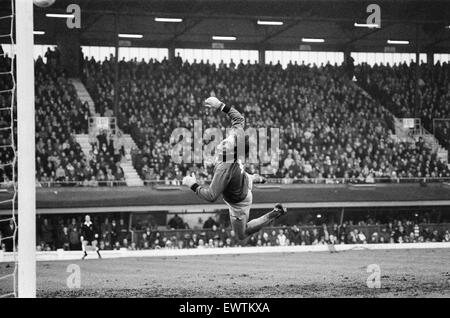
26 182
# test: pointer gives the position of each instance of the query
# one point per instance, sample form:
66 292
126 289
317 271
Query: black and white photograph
224 154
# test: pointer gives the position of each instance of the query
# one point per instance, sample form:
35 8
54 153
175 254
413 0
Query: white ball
43 3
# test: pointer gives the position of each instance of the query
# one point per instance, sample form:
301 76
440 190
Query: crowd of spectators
105 160
113 233
329 129
295 235
58 113
65 232
395 87
59 116
368 230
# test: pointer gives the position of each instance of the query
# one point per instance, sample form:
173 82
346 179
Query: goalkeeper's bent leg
244 228
255 225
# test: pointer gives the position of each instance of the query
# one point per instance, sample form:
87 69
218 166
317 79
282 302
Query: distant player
232 181
89 237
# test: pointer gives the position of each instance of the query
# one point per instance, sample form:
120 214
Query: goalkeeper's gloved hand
189 180
214 103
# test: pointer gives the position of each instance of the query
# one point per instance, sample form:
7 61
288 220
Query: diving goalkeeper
231 180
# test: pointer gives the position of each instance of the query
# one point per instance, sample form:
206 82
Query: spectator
74 236
176 222
47 233
122 232
209 223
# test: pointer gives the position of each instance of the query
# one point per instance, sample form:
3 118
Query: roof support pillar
262 56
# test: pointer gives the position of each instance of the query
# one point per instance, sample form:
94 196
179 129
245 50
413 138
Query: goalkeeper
232 181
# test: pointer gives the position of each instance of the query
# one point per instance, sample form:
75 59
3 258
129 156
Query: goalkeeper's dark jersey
229 178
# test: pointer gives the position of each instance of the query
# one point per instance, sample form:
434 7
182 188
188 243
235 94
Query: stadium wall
61 255
140 199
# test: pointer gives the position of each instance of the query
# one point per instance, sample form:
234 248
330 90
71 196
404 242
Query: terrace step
132 178
131 175
83 95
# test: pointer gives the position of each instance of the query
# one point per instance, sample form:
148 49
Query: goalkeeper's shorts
241 209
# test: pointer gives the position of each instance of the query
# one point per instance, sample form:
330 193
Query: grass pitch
404 273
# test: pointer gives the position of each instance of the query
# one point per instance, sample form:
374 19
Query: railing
175 182
95 184
322 181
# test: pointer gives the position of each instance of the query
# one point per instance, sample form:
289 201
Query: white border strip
76 255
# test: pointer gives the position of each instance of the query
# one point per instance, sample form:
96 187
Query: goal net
17 152
8 158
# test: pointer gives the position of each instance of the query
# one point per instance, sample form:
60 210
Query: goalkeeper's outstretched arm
212 192
237 120
221 176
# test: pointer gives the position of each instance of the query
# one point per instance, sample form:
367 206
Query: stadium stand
63 232
394 86
331 130
60 115
332 133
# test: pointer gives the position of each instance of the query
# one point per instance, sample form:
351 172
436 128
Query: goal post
26 150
